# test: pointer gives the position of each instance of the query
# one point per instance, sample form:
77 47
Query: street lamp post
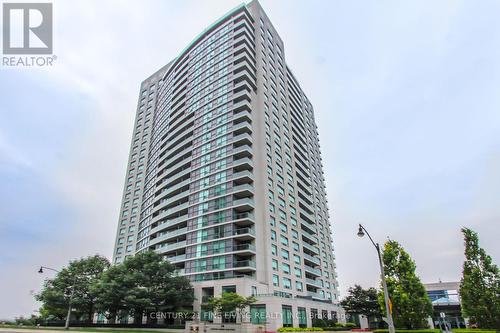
68 316
390 322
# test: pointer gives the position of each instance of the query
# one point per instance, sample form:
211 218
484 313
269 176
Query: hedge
299 329
408 331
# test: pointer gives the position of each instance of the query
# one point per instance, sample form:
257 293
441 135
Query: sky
406 98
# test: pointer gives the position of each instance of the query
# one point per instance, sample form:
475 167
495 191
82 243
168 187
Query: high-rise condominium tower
225 177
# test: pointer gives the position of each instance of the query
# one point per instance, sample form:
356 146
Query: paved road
29 330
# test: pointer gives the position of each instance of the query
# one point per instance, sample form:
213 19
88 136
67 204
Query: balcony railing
312 282
311 270
312 259
310 248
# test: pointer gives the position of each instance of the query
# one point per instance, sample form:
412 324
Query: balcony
244 248
241 161
244 233
169 223
171 247
177 186
240 249
245 137
168 235
166 202
179 174
310 248
306 215
178 258
244 216
312 259
313 271
310 239
308 226
244 150
245 189
244 265
313 295
172 210
314 283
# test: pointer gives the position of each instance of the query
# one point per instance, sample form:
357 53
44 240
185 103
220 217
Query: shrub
473 330
317 322
409 331
299 329
336 329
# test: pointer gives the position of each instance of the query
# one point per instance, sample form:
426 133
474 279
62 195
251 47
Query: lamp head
361 233
40 270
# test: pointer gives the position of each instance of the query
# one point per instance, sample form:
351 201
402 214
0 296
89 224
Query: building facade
446 307
225 175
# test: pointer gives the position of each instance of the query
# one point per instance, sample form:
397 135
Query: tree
112 289
411 305
75 279
362 301
228 304
142 284
480 284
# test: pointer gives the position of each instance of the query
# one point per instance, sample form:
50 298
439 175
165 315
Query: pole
66 325
390 322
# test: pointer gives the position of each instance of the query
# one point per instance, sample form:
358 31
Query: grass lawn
454 330
92 329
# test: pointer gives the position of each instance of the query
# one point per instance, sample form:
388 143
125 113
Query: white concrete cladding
225 176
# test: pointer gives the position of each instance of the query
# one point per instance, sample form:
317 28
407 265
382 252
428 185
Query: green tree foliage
143 284
362 301
140 285
228 304
411 304
112 289
78 278
480 284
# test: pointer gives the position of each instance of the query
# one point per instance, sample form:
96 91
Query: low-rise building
445 299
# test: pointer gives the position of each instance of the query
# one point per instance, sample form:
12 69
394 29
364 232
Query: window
228 289
276 280
298 272
299 286
286 311
275 264
287 283
302 316
284 240
257 314
296 259
274 249
284 254
271 195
